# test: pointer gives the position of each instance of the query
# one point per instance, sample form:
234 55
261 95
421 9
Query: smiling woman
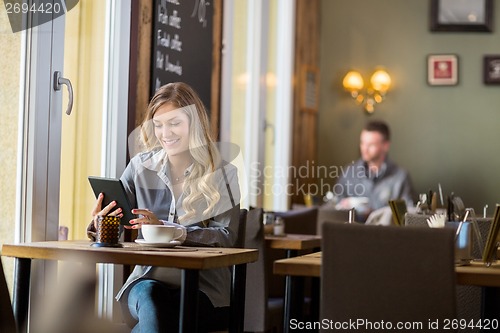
172 129
179 180
176 120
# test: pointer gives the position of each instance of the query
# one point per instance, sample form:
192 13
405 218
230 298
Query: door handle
58 82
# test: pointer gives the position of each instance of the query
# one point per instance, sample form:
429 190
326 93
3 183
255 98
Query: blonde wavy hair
199 186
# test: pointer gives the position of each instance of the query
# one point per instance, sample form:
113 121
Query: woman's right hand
110 210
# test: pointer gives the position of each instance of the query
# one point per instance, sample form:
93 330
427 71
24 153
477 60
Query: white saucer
169 244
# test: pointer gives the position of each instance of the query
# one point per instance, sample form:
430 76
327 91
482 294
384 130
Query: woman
179 180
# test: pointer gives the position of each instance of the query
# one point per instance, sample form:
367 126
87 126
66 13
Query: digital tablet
113 190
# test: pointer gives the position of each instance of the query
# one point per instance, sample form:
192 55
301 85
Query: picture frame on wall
491 73
442 69
309 88
462 16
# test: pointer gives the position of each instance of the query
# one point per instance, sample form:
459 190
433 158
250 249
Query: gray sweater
391 182
148 186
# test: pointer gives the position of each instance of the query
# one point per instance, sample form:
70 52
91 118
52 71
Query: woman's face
171 126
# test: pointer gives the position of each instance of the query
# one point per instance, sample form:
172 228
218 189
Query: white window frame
114 130
285 56
40 134
39 146
255 109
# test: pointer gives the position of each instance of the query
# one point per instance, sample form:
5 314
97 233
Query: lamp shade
381 81
353 81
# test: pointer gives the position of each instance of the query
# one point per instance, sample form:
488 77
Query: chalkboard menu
183 34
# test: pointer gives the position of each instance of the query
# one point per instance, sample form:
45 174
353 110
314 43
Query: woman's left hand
148 217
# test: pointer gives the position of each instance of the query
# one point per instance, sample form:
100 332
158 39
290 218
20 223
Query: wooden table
306 265
293 243
190 262
476 274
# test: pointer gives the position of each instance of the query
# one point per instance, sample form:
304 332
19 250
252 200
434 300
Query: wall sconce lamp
380 82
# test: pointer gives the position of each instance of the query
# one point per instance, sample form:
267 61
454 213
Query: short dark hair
380 127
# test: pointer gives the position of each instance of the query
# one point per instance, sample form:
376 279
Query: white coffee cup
158 233
361 204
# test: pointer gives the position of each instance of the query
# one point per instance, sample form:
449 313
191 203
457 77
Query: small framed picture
462 15
491 69
309 88
442 69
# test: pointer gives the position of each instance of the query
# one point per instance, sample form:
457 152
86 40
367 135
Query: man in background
370 182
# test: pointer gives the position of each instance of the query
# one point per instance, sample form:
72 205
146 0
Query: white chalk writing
200 10
174 68
174 20
176 44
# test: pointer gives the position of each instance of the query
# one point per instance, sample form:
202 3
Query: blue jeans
154 307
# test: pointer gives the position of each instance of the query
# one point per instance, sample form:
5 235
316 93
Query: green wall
446 134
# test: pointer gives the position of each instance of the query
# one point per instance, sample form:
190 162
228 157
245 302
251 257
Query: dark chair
328 213
387 273
7 322
301 221
240 240
217 327
261 312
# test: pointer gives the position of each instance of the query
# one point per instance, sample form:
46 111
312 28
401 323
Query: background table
190 262
293 243
476 274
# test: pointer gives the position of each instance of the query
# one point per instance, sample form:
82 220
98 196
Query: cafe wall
440 134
